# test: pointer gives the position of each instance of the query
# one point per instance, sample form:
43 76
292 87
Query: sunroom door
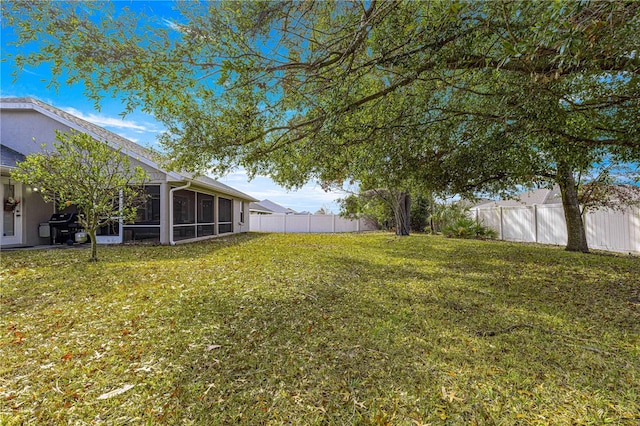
11 225
112 233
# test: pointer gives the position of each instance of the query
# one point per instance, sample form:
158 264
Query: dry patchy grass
320 329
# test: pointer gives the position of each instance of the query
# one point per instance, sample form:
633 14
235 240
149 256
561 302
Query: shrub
468 228
445 216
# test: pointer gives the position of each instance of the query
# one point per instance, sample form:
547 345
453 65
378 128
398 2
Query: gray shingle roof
276 208
529 198
257 207
125 144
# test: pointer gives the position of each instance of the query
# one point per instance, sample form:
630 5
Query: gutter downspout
171 191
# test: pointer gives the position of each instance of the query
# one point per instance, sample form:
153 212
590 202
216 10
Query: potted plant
10 204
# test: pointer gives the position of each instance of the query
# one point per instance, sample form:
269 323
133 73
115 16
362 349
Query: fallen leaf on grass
116 392
451 396
19 337
212 347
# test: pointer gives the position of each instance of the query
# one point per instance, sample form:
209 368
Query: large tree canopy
458 96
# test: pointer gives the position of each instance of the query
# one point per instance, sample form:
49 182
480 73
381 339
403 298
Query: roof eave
178 179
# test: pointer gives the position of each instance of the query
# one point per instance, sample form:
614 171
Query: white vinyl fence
306 223
617 231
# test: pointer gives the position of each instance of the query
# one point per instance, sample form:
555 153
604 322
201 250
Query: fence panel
552 228
307 223
267 223
296 224
545 224
612 230
321 223
346 225
518 224
489 217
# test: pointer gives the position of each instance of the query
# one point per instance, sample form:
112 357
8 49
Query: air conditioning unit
43 230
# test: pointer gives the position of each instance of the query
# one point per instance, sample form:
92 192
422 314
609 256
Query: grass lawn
320 329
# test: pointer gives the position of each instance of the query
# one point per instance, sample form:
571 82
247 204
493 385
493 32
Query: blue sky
140 127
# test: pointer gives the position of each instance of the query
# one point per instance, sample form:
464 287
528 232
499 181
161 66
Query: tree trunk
402 212
432 203
576 235
94 245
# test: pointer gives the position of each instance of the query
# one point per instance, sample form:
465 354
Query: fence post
308 223
284 223
501 225
636 232
333 223
535 222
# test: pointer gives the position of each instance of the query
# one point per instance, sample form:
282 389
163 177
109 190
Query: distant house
180 207
529 198
269 207
257 208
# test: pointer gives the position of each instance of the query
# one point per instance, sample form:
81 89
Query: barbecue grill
63 227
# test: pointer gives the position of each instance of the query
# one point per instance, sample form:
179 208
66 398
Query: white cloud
174 26
238 176
106 121
28 71
310 197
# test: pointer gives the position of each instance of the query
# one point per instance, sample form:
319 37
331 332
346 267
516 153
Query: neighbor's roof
529 198
129 147
257 207
276 208
9 157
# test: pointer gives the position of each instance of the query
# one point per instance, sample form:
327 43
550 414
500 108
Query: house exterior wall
34 211
25 130
238 224
17 131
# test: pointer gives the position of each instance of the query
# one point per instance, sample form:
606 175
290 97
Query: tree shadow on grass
367 342
317 353
586 289
310 333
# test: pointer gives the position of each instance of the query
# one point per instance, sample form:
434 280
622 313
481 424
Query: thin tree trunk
432 204
94 246
576 235
402 212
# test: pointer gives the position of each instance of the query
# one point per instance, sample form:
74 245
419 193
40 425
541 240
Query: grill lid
63 218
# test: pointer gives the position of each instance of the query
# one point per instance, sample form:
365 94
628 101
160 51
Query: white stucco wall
19 128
